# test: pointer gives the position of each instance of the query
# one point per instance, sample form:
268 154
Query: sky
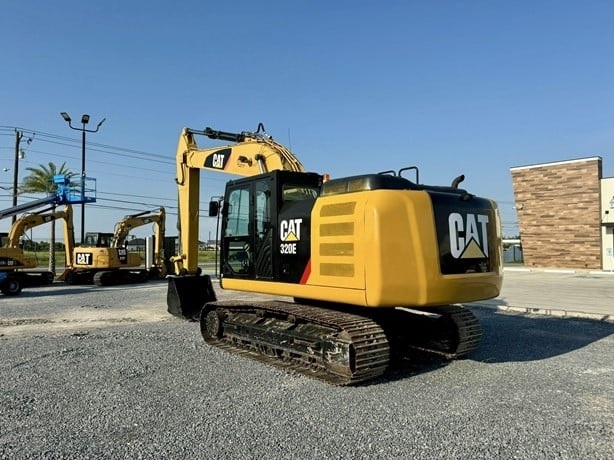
351 87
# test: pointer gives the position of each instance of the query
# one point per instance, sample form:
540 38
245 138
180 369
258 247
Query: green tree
40 180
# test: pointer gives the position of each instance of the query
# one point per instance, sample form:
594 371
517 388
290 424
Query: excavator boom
130 222
25 223
252 153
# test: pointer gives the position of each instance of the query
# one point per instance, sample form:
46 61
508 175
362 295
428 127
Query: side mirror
214 208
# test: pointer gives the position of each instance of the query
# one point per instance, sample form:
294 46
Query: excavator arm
25 223
124 226
250 153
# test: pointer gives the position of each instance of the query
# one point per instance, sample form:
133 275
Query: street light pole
82 180
84 121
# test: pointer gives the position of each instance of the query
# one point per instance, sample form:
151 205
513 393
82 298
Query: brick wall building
559 213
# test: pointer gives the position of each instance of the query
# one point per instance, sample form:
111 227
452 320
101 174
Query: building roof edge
555 163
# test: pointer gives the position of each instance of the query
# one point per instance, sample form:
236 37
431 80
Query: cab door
247 229
266 226
264 230
236 240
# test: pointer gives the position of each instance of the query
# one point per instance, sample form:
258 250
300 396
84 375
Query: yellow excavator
377 264
104 260
12 260
22 268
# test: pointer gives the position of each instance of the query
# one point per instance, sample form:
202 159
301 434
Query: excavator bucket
187 295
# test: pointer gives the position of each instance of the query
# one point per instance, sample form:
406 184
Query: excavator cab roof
384 181
367 182
98 239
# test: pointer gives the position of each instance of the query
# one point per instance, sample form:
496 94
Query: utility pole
19 154
18 137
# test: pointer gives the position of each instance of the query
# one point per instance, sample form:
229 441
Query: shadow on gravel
53 291
510 338
515 337
420 363
59 288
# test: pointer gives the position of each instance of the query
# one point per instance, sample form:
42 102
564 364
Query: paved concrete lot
561 293
92 372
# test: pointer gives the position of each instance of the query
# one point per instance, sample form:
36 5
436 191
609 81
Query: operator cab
98 240
266 222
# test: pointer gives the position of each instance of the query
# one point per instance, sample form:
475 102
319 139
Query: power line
94 160
77 142
164 159
139 196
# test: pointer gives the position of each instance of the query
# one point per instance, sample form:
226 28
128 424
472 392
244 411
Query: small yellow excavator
12 260
104 260
19 267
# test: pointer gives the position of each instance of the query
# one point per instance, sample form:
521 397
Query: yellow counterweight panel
107 258
134 259
102 258
404 267
402 247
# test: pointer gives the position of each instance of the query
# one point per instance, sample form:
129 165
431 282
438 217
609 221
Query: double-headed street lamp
84 121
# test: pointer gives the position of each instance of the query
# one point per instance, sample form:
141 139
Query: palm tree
40 180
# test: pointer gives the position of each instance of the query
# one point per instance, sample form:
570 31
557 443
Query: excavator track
468 330
338 346
450 331
335 346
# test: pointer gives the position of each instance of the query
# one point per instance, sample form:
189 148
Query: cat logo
290 233
290 230
218 159
84 258
468 236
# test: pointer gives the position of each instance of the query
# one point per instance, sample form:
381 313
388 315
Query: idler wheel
213 324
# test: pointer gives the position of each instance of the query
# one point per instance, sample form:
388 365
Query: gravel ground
106 373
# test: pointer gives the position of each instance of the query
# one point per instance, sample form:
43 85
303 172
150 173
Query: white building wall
607 221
